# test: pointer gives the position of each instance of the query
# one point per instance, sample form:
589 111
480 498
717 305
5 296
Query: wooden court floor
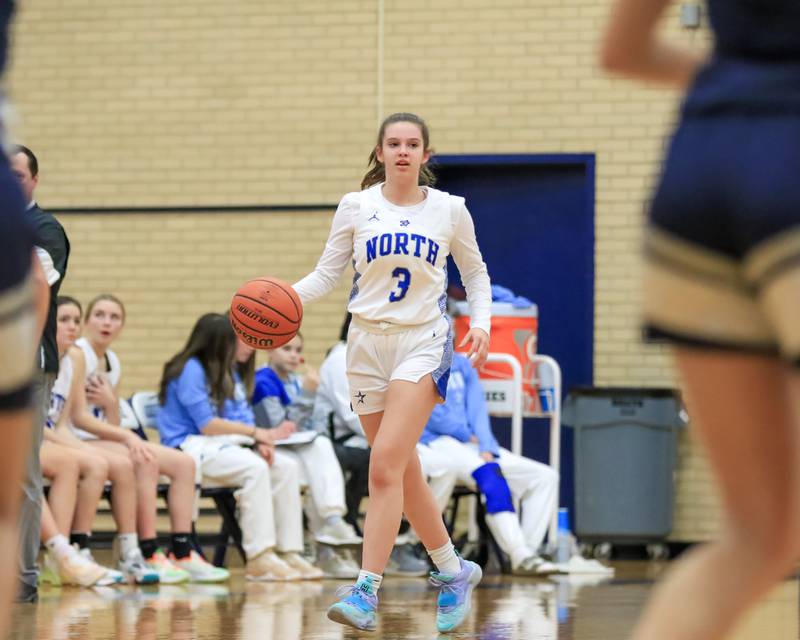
568 608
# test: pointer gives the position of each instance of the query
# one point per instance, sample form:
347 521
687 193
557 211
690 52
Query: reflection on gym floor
568 608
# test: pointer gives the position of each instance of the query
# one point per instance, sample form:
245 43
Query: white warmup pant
321 472
270 512
441 478
532 483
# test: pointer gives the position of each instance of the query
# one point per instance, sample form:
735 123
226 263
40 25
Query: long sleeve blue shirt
188 407
275 400
464 414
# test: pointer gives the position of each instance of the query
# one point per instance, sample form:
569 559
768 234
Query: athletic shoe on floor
455 595
199 568
267 566
136 570
357 607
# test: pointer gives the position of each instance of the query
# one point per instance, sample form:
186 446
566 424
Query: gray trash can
625 449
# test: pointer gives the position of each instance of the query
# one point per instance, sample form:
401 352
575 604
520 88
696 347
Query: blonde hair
104 296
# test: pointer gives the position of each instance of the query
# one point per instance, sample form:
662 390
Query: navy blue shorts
722 251
17 338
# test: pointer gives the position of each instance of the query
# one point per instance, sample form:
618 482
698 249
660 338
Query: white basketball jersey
60 391
110 370
399 255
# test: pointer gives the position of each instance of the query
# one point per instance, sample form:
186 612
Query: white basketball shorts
378 353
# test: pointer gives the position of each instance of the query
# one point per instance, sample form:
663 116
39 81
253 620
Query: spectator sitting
68 404
77 476
283 401
460 432
200 415
104 319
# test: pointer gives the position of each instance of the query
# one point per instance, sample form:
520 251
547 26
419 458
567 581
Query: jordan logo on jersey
400 243
374 217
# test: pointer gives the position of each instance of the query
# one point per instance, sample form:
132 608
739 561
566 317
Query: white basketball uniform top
93 367
60 391
399 255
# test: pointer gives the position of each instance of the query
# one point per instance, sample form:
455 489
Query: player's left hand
478 340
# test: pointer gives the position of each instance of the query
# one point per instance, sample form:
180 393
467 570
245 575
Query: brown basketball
266 313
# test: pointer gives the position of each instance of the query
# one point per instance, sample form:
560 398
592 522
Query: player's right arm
337 254
41 293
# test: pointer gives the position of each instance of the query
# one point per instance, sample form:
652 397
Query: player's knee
68 468
96 469
287 468
147 468
121 470
383 474
255 470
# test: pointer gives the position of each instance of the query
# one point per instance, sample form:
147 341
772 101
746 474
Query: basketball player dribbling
397 232
722 281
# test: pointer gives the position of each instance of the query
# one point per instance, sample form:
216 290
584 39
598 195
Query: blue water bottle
564 538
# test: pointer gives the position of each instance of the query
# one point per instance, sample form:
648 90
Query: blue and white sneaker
455 595
356 608
136 570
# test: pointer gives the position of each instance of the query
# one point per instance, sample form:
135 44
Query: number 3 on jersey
403 281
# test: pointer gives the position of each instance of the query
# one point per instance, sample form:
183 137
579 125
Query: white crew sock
59 546
127 542
369 582
445 559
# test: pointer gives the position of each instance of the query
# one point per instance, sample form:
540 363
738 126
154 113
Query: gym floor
505 608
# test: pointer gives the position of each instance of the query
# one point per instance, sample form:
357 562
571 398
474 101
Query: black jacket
53 239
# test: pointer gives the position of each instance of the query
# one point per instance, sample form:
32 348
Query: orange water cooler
514 331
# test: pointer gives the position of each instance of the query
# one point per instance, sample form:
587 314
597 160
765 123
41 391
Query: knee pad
492 484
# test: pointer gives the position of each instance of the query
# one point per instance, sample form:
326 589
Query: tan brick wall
170 268
250 102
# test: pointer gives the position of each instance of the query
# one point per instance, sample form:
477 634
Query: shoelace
447 588
353 592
